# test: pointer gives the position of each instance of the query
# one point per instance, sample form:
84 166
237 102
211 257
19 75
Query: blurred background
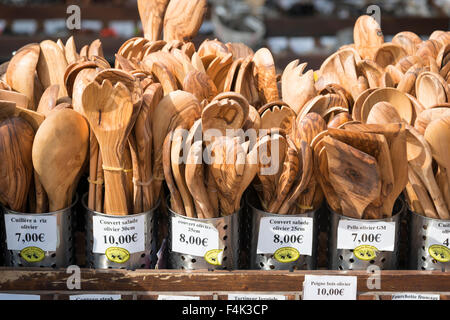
308 30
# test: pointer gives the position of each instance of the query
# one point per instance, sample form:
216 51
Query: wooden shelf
148 284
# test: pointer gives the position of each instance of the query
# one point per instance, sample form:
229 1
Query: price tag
329 287
193 238
23 231
280 232
439 233
124 233
415 296
166 297
238 296
95 297
15 296
352 234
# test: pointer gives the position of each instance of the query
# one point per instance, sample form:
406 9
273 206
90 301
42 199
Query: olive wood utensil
183 19
152 17
51 66
437 134
420 159
58 159
16 169
355 176
422 194
21 71
109 111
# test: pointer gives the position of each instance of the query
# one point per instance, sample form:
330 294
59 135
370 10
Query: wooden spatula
152 15
51 66
183 19
355 176
58 159
109 111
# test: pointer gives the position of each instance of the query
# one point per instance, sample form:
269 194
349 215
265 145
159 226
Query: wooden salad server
109 110
58 159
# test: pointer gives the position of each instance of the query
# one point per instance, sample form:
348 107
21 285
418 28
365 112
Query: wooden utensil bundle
207 167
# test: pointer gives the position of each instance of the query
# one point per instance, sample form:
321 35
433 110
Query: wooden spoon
109 111
437 135
266 75
367 36
48 100
16 170
200 85
21 71
183 19
58 158
383 113
420 159
422 194
427 116
431 89
195 180
51 66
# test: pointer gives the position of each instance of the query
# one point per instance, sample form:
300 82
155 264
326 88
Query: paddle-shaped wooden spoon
58 158
109 111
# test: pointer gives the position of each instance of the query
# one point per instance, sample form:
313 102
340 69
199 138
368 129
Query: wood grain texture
183 19
21 71
58 159
109 111
16 170
265 72
355 176
51 66
151 13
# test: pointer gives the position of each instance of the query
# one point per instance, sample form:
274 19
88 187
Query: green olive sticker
32 254
214 257
117 255
440 253
365 252
286 255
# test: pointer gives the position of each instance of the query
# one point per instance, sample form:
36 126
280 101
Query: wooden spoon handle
436 195
41 195
100 184
422 194
93 160
115 192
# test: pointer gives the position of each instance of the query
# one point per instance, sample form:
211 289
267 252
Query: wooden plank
211 281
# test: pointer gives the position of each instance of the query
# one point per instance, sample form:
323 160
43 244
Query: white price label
438 233
166 297
193 238
415 296
329 287
280 232
95 297
125 233
352 234
24 231
16 296
257 297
